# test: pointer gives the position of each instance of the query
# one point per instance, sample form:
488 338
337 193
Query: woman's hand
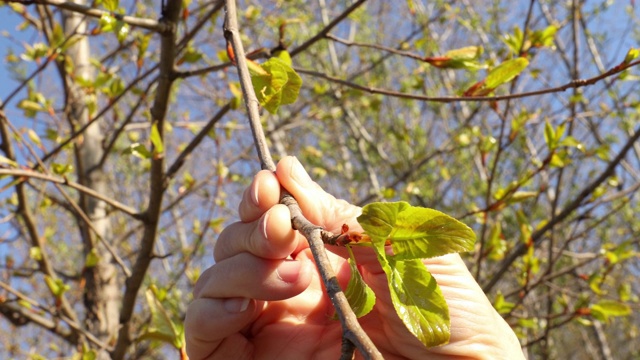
264 299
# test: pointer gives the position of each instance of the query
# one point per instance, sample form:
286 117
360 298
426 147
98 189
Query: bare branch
352 332
321 34
450 99
64 181
156 186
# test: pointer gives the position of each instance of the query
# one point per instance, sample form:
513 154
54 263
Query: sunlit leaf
417 299
415 232
275 83
61 169
505 72
161 328
156 140
632 54
463 58
360 296
605 309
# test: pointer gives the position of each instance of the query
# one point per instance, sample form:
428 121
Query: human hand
264 299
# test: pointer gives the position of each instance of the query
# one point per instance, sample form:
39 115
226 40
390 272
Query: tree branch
153 25
64 181
156 186
322 33
450 99
351 328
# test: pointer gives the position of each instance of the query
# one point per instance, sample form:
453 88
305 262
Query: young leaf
505 72
275 83
415 232
156 140
162 328
417 299
463 58
360 296
605 309
632 54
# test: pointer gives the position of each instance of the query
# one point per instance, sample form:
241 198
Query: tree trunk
101 293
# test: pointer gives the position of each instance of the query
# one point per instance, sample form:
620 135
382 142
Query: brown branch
450 99
24 212
537 236
352 331
18 173
195 142
23 316
73 204
84 127
153 25
156 186
375 46
322 33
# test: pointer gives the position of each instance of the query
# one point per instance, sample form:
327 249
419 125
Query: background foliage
548 181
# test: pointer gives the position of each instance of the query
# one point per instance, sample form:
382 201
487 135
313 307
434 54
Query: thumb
318 206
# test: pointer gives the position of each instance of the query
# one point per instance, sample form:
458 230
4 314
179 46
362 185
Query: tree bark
101 292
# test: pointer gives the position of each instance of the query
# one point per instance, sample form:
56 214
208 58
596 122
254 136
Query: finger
262 194
271 237
248 276
318 206
212 325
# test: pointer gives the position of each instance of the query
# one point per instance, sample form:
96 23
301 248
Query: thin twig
322 33
64 181
450 99
352 331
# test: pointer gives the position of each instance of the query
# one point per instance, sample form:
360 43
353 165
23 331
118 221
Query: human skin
263 298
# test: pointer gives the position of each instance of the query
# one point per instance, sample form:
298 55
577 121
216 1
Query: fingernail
299 174
289 271
254 193
236 305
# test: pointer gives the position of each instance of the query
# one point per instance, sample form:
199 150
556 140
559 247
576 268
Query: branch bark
156 186
352 331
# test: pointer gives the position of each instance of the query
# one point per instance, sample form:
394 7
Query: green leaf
161 328
35 253
156 140
417 299
275 83
191 55
138 150
415 232
463 58
107 22
30 105
57 286
505 72
605 309
550 135
6 160
61 169
110 5
92 259
632 54
360 296
501 305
